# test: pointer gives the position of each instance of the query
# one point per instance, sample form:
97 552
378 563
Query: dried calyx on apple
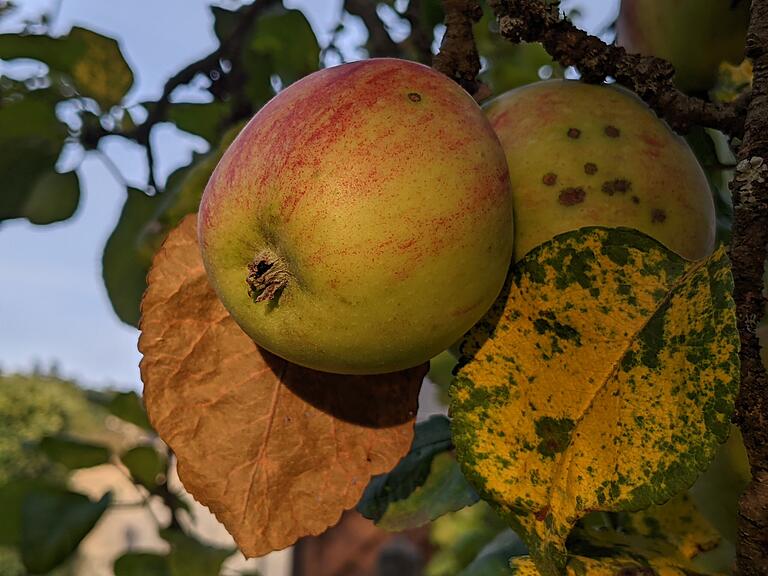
362 221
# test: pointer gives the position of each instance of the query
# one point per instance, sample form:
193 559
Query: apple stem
267 276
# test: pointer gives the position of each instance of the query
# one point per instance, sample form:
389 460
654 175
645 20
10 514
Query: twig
380 43
649 77
748 255
458 57
421 37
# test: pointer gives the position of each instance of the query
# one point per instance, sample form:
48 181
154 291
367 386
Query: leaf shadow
371 401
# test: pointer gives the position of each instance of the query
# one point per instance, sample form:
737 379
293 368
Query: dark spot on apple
571 196
621 185
658 215
590 168
612 131
414 97
635 200
549 179
574 133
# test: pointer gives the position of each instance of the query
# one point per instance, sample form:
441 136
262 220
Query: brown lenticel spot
635 200
574 133
571 196
549 179
658 215
621 185
590 168
414 97
612 131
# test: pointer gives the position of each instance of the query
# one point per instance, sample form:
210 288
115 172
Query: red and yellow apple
362 221
694 35
585 155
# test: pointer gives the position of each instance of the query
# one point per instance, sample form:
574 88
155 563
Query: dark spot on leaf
574 133
658 215
571 196
414 97
590 168
612 131
549 179
542 514
555 434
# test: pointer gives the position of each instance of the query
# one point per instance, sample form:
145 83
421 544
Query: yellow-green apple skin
586 155
695 36
371 201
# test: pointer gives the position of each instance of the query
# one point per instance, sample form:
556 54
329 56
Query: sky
54 309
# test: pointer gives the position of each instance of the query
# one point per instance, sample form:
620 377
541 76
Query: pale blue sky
53 305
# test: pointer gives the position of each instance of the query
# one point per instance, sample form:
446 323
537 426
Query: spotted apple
588 155
362 221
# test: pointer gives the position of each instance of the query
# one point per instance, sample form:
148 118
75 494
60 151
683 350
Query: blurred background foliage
74 101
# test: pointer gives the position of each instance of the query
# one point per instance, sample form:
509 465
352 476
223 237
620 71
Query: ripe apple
694 35
362 221
585 155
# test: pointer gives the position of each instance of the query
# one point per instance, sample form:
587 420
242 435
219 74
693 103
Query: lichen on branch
749 250
458 57
649 77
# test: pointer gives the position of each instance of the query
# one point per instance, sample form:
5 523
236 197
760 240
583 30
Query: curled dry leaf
275 450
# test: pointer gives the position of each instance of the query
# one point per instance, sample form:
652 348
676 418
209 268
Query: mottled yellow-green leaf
678 522
602 379
629 563
101 72
93 61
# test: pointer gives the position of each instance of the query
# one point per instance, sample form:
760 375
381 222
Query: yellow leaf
100 72
602 379
276 451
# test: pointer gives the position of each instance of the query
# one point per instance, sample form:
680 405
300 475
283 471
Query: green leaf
145 464
124 266
430 438
717 491
129 407
444 490
53 523
30 141
74 453
603 379
142 564
92 61
12 495
53 197
204 120
287 38
441 372
189 557
493 560
460 536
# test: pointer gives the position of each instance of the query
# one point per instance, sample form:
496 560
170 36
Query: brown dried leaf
275 450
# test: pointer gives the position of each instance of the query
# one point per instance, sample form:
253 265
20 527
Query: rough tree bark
748 255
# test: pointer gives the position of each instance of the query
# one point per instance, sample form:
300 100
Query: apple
362 221
586 155
694 35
